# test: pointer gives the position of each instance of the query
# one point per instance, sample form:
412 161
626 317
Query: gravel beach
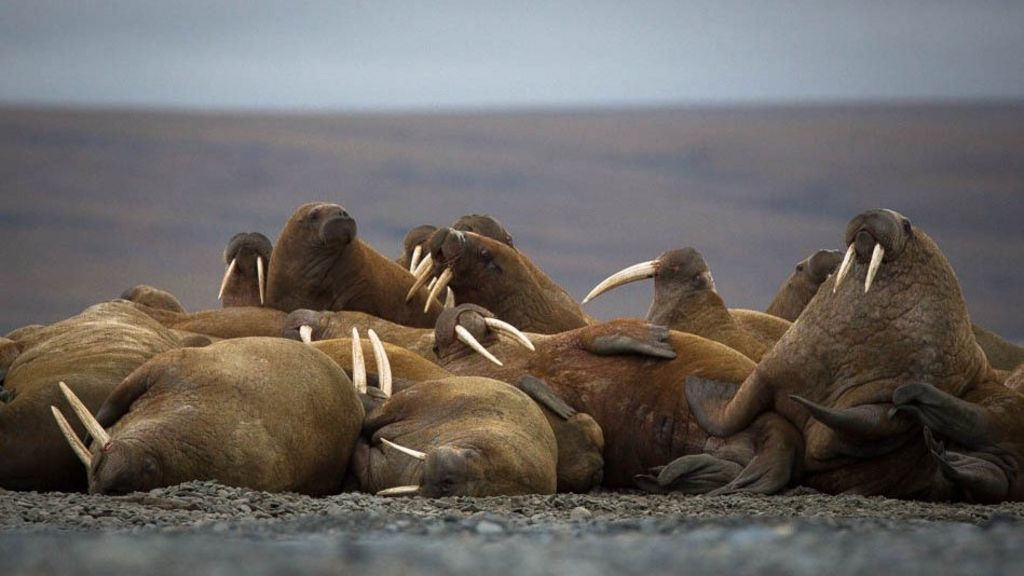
203 527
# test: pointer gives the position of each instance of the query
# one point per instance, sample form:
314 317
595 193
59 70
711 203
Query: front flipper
961 421
619 339
978 479
722 408
694 474
543 394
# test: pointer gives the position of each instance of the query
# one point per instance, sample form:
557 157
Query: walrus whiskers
76 444
876 260
633 273
383 364
466 338
227 274
844 268
503 327
407 451
87 419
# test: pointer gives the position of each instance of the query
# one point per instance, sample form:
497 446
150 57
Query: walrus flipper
775 463
978 479
654 343
963 422
543 394
693 474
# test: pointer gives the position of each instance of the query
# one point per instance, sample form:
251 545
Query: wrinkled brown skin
482 438
331 325
849 351
803 283
503 280
234 322
320 264
413 238
685 300
637 399
1001 353
23 332
262 413
147 295
405 364
243 288
92 352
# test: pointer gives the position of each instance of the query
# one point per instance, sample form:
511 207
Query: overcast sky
398 55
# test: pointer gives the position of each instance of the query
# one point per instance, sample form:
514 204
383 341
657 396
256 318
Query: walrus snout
293 323
338 227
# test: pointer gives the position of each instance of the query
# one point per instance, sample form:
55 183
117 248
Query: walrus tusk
383 364
407 451
506 328
466 338
843 268
411 490
431 284
69 434
449 299
876 260
259 276
442 283
358 364
415 260
91 425
227 274
422 273
306 333
633 273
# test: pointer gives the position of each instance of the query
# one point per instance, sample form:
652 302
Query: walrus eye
148 466
799 267
906 226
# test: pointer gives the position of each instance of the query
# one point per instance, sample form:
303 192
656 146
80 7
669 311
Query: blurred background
137 137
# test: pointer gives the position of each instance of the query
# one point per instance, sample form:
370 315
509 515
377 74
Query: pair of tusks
498 326
231 269
641 271
435 286
88 420
876 261
409 490
359 364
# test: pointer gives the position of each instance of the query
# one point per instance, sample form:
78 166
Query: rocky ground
206 528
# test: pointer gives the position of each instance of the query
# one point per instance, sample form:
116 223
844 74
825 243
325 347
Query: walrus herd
865 375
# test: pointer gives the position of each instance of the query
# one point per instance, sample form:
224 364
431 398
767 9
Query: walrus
628 375
833 374
685 299
231 322
326 325
93 352
246 257
320 264
490 273
484 225
153 297
803 283
463 436
263 413
412 246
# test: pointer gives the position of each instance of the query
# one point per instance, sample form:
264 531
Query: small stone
486 527
580 514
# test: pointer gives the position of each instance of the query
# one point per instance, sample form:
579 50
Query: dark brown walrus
412 246
263 413
247 258
320 264
803 283
152 297
474 437
833 374
628 375
93 352
685 299
326 325
492 274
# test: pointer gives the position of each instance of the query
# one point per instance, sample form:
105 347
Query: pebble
580 514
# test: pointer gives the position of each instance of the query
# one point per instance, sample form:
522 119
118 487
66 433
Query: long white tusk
306 333
410 490
227 274
466 338
433 282
422 273
415 260
358 364
843 268
449 299
635 272
383 364
69 434
506 328
442 283
91 425
876 260
259 276
408 451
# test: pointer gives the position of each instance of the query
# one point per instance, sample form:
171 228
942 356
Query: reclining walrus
891 316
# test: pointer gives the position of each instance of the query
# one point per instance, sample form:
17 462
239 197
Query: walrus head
153 297
306 325
412 245
809 274
484 225
247 257
467 329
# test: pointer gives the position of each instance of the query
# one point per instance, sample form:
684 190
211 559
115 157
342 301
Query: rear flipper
963 422
864 431
543 394
978 479
621 338
694 474
775 463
